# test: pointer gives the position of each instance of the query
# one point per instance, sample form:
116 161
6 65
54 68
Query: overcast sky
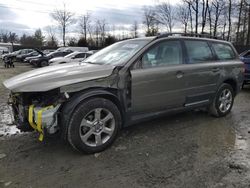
24 16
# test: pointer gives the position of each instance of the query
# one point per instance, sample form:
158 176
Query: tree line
227 19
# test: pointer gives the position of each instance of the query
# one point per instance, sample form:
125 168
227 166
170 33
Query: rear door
158 84
202 72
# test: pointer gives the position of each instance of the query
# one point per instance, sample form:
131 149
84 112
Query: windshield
118 53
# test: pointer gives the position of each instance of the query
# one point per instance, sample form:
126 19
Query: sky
24 16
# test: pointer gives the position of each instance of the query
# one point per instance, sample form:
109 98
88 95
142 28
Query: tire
44 64
96 134
223 101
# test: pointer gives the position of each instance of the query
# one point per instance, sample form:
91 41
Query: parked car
125 83
72 57
47 51
245 57
76 49
43 60
14 54
22 57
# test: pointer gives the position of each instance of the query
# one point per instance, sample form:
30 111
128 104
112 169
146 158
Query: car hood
52 77
59 59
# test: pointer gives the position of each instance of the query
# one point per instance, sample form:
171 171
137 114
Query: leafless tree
183 15
217 7
210 18
229 18
239 21
204 14
134 29
190 13
4 36
245 19
85 24
64 19
51 36
13 37
193 7
103 28
165 15
150 21
248 30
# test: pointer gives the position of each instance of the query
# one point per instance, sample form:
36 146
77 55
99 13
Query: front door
159 82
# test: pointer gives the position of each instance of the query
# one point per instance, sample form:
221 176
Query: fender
69 106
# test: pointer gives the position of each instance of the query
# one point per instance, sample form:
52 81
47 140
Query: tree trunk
248 32
239 22
229 19
64 36
196 16
191 17
204 15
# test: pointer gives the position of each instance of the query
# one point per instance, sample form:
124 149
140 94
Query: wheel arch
79 97
232 82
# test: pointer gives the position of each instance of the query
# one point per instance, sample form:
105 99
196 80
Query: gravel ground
190 149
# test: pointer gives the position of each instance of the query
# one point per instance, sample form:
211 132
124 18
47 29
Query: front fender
69 106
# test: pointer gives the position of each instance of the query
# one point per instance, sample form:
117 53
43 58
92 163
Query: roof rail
162 35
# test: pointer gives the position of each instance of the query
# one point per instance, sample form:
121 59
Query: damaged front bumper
41 118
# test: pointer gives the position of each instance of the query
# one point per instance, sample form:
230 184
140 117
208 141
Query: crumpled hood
52 77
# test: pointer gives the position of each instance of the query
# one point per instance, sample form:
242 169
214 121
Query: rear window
223 51
198 51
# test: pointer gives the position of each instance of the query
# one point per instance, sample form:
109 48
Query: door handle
216 69
179 74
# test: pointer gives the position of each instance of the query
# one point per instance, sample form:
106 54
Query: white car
73 57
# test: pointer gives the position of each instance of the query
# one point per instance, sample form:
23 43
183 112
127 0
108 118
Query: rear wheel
94 125
223 101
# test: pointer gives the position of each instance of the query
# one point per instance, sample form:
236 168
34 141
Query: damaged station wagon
125 83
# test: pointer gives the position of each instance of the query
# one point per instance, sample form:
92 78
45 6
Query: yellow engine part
37 126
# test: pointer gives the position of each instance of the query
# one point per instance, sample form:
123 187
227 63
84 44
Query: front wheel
44 63
223 101
94 125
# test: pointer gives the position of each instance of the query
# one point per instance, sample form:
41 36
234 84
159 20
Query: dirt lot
190 149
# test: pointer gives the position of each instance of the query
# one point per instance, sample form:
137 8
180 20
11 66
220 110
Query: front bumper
34 117
41 118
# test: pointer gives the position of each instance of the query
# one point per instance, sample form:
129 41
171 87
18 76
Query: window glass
87 55
82 55
223 51
198 51
164 53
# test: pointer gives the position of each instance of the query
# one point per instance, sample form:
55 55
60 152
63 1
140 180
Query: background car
22 57
47 51
76 49
245 57
72 57
43 60
14 54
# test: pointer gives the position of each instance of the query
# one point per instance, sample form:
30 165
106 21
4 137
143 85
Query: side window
198 51
223 51
162 54
80 55
87 55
